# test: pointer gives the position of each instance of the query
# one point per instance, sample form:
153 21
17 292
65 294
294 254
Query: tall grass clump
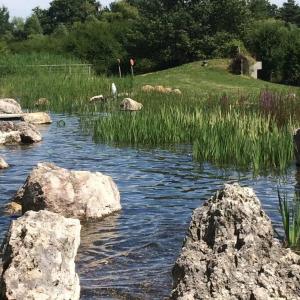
290 213
227 139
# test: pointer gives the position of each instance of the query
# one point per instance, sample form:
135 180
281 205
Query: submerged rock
9 106
79 194
230 253
37 118
130 105
3 163
16 132
38 258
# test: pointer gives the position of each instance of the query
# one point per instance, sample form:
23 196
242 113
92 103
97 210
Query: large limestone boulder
9 106
79 194
130 105
3 163
37 118
15 132
230 253
39 258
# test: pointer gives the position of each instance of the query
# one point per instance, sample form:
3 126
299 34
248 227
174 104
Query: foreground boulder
230 253
37 118
79 194
130 105
3 163
16 132
38 258
9 106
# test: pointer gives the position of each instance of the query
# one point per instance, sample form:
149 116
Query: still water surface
129 255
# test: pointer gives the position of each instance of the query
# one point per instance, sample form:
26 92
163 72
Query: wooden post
132 62
119 65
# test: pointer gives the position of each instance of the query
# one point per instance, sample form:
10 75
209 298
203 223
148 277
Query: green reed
290 213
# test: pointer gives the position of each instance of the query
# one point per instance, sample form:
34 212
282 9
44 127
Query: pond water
129 255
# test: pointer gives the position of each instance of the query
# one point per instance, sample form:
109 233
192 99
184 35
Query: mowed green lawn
214 78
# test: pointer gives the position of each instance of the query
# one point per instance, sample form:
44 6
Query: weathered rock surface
38 258
297 146
37 118
11 137
9 106
147 88
15 132
130 105
230 253
41 102
3 163
13 208
79 194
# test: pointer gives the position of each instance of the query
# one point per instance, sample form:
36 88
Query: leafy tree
290 12
4 20
68 12
262 9
291 67
32 26
268 40
93 41
17 24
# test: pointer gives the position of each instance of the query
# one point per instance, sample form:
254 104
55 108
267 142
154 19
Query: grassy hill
214 78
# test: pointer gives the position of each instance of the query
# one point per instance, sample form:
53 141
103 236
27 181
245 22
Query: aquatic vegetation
226 139
246 128
290 213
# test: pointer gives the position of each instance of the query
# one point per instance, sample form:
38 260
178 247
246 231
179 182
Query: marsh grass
225 123
290 213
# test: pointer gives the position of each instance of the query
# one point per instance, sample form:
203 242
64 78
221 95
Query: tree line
162 33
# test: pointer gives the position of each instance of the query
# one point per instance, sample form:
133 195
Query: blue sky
22 8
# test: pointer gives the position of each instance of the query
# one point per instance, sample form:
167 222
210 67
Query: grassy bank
227 118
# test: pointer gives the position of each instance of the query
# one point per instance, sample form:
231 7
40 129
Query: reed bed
250 130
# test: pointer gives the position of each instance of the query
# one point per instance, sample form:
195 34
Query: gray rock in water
79 194
9 106
37 118
16 132
39 258
230 253
3 163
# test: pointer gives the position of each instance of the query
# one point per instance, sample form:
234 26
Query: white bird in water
114 90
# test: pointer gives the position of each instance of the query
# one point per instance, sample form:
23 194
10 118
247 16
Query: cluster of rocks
161 89
21 131
40 248
230 253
